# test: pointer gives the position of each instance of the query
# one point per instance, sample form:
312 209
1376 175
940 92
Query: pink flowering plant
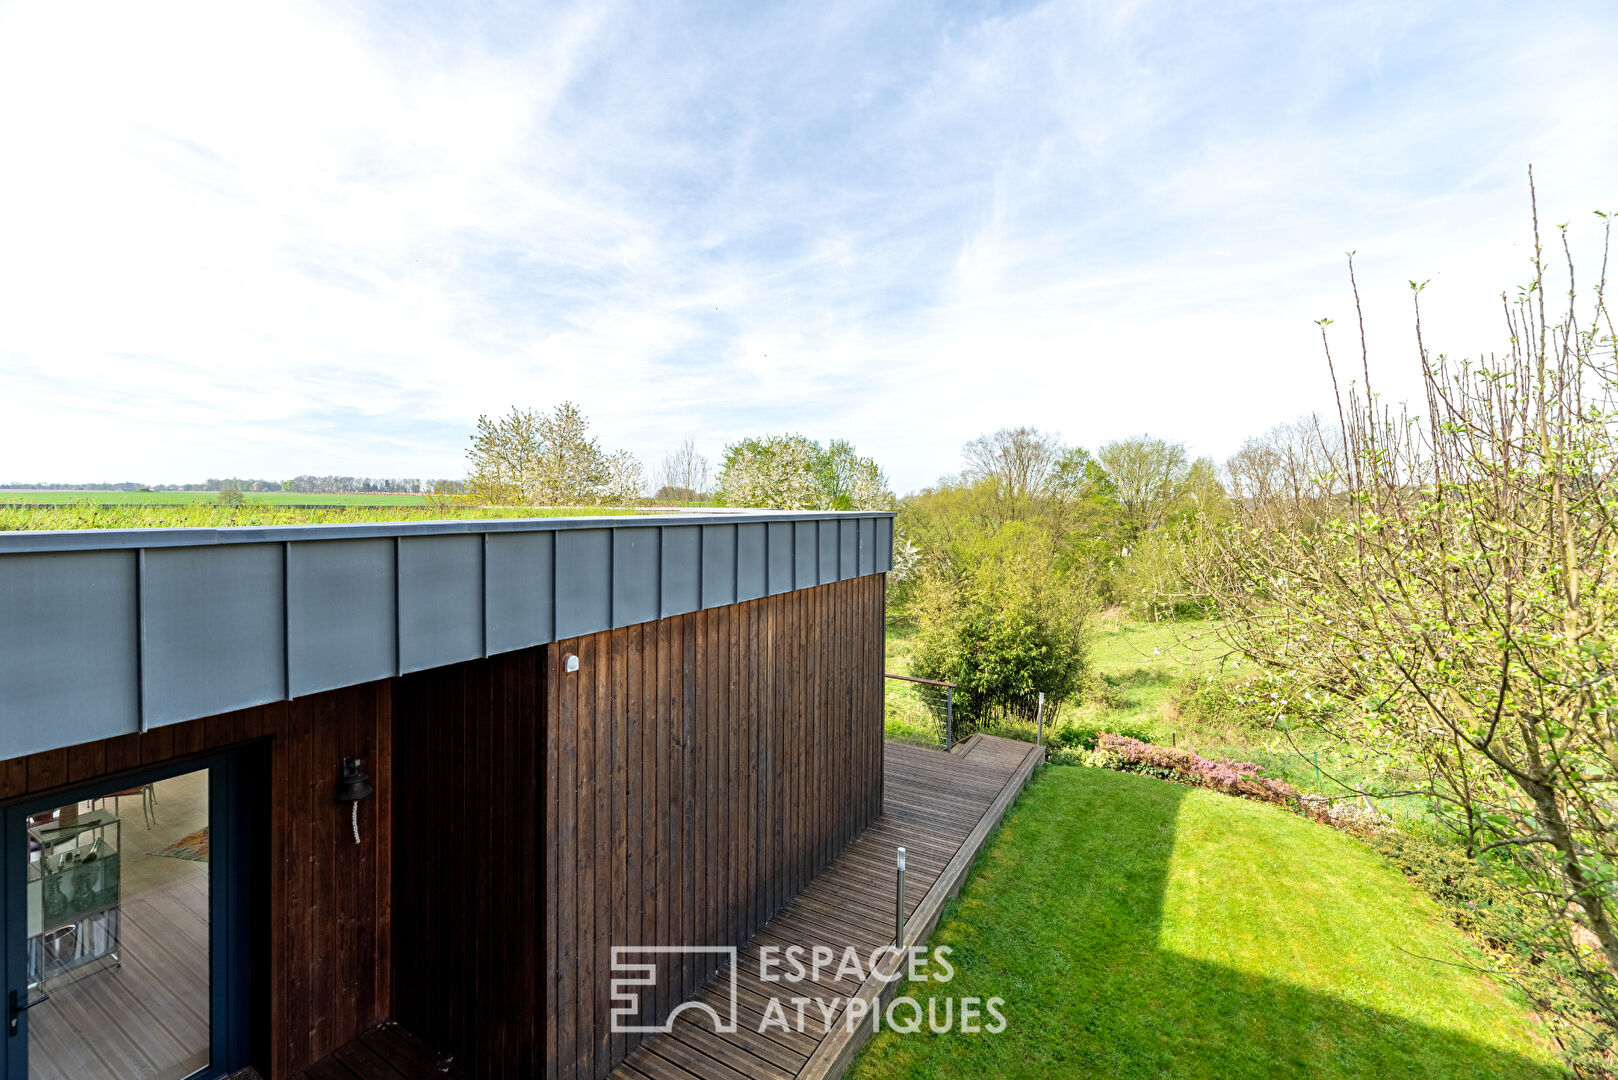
1170 763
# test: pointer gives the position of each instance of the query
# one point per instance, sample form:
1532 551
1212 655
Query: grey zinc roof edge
48 540
107 632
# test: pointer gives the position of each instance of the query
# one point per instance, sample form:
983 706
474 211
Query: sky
272 239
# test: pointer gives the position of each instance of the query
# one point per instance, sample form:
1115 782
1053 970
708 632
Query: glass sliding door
111 911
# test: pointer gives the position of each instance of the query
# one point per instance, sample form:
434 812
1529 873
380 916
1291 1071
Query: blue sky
282 239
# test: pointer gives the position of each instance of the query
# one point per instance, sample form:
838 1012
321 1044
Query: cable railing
923 711
919 710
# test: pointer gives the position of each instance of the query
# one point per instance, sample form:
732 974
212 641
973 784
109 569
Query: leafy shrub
1231 777
1075 744
1114 698
1350 814
1103 759
1084 735
1150 579
1003 628
1065 755
1006 727
1471 898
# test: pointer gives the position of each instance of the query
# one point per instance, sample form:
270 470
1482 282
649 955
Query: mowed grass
1137 928
1142 665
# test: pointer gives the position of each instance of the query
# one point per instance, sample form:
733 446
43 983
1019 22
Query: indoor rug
193 848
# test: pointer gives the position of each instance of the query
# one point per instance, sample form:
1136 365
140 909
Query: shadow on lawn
1062 920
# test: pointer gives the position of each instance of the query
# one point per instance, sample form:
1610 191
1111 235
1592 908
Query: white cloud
273 240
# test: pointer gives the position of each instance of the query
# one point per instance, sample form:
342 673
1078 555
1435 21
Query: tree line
533 458
999 567
1433 589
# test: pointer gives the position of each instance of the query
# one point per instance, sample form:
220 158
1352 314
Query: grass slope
1137 928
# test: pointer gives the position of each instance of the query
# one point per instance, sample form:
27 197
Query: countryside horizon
629 540
936 222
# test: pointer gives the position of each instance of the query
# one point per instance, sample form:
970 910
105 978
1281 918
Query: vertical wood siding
702 769
331 971
469 861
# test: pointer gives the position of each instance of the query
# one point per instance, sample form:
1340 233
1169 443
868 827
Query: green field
210 515
1139 671
1139 928
179 498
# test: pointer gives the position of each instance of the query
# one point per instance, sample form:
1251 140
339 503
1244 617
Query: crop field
210 515
180 498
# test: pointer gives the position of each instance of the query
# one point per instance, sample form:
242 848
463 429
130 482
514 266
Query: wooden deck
385 1052
940 808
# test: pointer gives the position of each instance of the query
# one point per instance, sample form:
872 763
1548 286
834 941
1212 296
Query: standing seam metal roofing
106 632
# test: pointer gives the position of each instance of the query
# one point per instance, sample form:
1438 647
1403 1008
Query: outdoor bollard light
899 908
354 786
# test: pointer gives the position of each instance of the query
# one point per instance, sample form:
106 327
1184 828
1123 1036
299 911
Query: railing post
899 906
1039 716
949 718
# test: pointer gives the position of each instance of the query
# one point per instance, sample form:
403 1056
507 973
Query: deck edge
833 1056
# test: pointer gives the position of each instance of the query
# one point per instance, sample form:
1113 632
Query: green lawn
1143 665
1137 928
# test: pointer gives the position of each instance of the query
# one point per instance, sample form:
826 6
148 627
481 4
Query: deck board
935 804
385 1052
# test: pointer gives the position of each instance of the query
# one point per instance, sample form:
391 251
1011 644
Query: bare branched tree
1447 584
685 475
1020 461
1291 467
1147 474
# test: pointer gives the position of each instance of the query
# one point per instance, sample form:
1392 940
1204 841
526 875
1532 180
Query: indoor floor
138 1009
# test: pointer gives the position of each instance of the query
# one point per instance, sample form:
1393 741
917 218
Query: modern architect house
267 788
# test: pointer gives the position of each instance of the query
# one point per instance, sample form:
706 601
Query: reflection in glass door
118 943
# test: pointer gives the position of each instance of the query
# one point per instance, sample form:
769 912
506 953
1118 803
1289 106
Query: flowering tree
529 458
791 472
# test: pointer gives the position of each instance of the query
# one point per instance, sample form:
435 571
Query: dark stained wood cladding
468 861
678 789
699 772
330 968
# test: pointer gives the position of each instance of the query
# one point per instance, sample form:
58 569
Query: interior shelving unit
73 895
